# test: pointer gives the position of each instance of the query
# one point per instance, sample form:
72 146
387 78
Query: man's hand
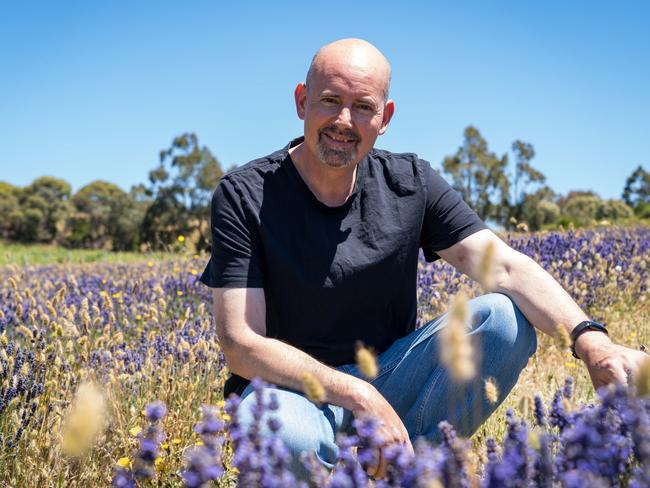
606 361
391 427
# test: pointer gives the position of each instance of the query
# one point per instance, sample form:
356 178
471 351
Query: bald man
315 247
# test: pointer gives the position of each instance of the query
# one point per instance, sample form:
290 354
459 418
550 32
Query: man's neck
331 186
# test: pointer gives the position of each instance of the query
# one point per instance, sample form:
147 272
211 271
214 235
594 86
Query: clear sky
93 90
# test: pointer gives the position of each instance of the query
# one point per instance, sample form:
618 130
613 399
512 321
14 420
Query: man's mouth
339 139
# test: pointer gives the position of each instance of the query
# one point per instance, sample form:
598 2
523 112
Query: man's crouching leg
303 426
503 340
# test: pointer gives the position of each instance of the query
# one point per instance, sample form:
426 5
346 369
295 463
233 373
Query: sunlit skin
344 110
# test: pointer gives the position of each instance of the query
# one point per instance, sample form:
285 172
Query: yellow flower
176 441
199 443
150 264
196 256
134 431
181 238
164 446
124 462
194 272
179 293
225 416
221 403
570 365
159 463
103 282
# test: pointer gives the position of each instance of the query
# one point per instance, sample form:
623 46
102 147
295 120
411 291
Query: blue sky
93 90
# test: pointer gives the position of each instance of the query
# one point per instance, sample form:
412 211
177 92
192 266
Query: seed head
643 378
486 267
313 389
491 390
366 362
562 338
85 420
456 349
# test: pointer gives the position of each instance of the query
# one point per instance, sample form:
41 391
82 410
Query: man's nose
344 117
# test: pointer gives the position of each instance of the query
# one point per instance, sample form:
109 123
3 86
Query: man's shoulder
257 168
402 169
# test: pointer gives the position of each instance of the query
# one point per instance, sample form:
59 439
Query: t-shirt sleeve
236 259
447 218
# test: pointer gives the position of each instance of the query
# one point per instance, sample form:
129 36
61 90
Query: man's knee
506 327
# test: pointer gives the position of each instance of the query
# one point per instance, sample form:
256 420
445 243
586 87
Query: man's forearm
284 365
541 299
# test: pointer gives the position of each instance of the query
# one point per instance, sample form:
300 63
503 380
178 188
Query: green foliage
637 190
181 188
9 209
586 209
44 206
479 175
106 217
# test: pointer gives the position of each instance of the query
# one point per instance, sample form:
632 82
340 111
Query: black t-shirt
333 276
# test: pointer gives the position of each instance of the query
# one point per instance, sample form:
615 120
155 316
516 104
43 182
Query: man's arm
240 314
544 303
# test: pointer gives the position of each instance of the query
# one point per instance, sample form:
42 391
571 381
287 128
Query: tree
525 174
637 190
181 188
9 209
44 208
105 217
538 209
479 175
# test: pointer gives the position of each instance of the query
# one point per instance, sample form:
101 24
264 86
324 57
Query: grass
42 254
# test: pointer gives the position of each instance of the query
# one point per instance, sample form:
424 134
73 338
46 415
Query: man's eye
329 100
365 108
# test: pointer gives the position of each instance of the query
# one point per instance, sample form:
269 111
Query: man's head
344 102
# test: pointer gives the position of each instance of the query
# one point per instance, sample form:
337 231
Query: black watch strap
580 329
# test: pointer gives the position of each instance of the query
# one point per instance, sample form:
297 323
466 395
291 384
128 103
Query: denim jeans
415 383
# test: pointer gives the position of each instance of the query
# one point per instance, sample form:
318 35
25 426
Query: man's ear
389 109
300 95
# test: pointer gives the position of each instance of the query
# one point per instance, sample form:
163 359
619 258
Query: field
88 343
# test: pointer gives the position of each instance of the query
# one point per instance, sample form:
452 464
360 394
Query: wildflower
313 389
491 390
134 431
366 362
181 238
456 350
144 466
124 462
155 411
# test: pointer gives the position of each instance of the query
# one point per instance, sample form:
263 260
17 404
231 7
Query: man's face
344 112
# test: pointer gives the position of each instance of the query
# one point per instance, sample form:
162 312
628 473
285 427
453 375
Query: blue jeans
414 382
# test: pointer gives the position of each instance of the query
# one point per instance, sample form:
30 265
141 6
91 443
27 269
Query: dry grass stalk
491 390
313 389
85 420
486 267
366 362
456 349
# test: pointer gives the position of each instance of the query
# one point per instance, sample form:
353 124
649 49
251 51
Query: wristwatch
580 329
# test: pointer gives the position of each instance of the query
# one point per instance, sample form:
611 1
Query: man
315 247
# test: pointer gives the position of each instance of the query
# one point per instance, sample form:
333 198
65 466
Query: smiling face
344 104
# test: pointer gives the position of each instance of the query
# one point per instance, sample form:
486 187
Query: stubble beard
335 158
